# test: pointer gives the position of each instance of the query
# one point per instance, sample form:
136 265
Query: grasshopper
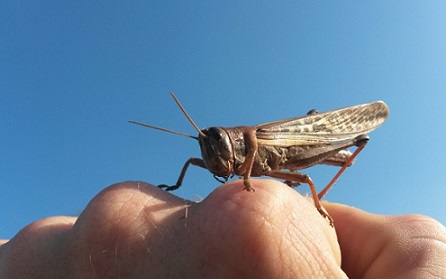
280 148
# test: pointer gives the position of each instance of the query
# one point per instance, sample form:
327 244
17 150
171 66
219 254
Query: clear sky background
72 73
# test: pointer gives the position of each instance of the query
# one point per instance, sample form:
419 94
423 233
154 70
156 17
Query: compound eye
215 133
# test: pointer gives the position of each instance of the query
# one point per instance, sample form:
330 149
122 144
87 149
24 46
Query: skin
135 230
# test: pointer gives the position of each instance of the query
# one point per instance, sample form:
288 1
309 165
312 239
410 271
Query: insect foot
168 188
325 215
248 186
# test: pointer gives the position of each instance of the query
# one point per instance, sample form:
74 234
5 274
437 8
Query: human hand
134 230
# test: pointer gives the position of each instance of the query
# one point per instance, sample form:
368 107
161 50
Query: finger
33 245
276 232
126 230
375 246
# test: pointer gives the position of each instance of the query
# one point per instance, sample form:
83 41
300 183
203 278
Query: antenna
174 132
163 129
187 116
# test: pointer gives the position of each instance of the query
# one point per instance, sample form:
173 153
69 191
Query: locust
279 149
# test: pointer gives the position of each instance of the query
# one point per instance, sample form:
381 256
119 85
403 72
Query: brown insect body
278 149
224 152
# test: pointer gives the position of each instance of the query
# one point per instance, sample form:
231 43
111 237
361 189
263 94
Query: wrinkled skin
135 230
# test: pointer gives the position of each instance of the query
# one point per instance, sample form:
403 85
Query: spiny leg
245 169
360 142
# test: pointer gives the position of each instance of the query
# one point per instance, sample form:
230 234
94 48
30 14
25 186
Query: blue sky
73 73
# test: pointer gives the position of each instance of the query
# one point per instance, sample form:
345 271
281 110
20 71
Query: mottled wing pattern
324 128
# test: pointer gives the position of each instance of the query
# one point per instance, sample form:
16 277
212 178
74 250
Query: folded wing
324 128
